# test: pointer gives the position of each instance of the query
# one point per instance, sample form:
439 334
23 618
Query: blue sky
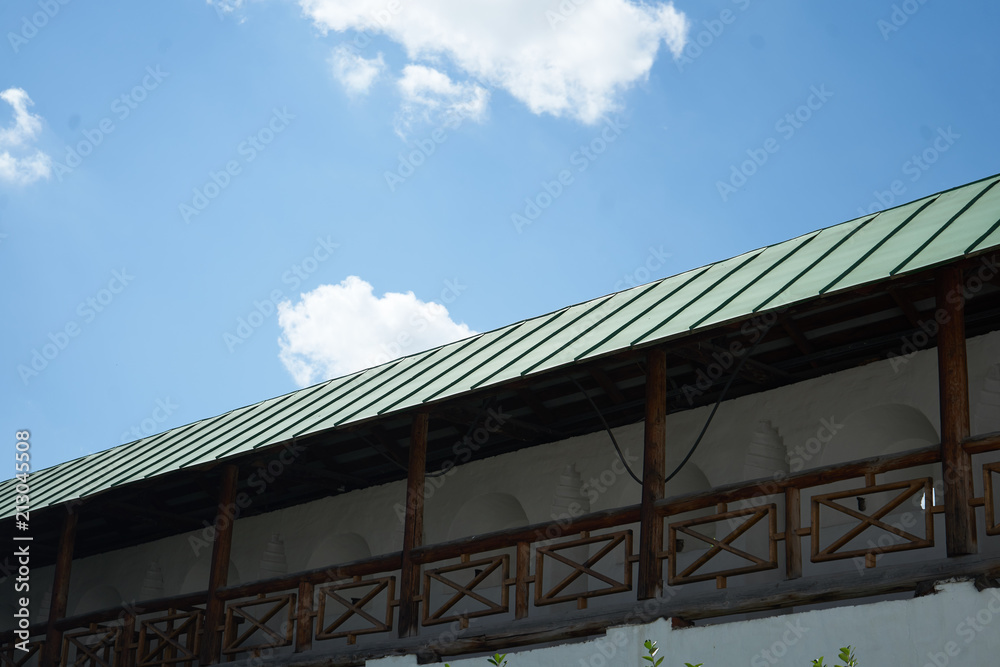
396 175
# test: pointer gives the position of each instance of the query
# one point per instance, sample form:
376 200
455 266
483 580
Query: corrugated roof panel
987 239
673 298
792 268
395 396
464 378
906 239
956 237
693 303
489 348
563 346
239 434
930 231
105 465
381 376
849 251
517 357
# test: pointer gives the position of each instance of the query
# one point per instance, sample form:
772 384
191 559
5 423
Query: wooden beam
512 427
761 369
312 473
152 514
953 396
60 591
218 577
608 385
382 442
413 528
531 400
653 473
905 305
987 442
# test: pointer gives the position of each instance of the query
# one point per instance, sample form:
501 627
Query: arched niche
337 549
881 429
487 513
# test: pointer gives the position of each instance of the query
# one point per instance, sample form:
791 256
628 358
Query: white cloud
30 166
355 73
570 58
431 96
337 329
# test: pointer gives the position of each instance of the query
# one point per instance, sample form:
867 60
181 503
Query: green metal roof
933 230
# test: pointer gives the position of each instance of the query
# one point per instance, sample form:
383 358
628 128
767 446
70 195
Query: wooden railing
514 574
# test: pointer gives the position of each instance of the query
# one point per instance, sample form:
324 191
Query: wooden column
793 543
953 395
52 649
413 529
219 575
653 473
304 618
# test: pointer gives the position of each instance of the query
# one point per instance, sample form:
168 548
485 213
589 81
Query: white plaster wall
531 475
956 626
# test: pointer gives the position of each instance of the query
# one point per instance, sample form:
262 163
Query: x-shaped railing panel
176 641
907 489
482 569
752 516
349 607
14 657
100 652
584 569
236 613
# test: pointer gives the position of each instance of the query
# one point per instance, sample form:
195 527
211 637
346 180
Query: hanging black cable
718 402
607 428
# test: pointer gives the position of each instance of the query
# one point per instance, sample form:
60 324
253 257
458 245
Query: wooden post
521 580
60 591
793 543
653 473
413 528
953 395
304 618
219 575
